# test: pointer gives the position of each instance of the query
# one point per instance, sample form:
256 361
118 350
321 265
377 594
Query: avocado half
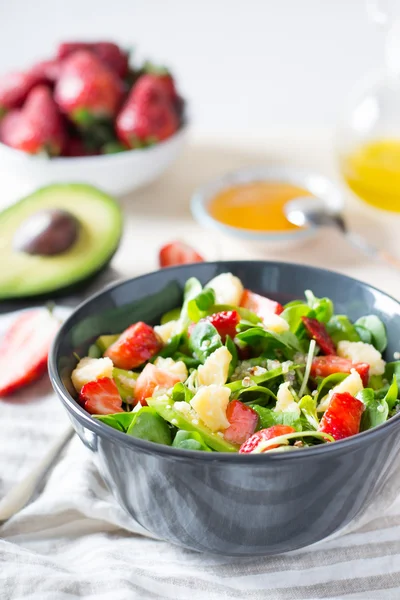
100 228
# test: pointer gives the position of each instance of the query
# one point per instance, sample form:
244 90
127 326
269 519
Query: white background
246 65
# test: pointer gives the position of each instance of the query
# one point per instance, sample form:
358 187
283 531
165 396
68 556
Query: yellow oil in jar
372 171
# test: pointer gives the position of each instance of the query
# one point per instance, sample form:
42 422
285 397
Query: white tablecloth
73 541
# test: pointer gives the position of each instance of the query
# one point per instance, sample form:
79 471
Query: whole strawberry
87 90
168 82
148 115
37 127
110 54
14 88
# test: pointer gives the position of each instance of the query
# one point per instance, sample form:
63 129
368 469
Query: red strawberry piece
134 346
264 435
87 89
101 397
225 323
14 88
46 71
147 115
37 127
150 379
319 333
342 417
260 305
110 54
322 366
178 253
243 421
24 349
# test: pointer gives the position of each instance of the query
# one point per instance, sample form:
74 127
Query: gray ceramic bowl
224 503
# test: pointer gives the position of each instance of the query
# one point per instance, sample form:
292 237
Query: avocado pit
47 233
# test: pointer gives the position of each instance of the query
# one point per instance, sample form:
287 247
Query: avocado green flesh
105 341
100 218
173 416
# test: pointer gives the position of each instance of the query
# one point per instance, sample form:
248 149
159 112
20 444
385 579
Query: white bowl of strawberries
88 116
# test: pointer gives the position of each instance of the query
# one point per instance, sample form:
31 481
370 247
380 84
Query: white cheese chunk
215 369
352 384
176 368
362 352
275 323
166 331
210 403
90 369
228 289
286 401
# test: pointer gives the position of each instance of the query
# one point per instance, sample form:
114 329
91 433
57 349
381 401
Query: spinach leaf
147 424
392 393
293 314
198 306
256 394
94 351
190 440
376 382
192 289
323 307
170 348
244 313
268 418
308 407
365 334
190 362
341 328
204 340
377 330
180 393
257 335
171 315
234 353
393 369
328 383
376 411
265 378
120 421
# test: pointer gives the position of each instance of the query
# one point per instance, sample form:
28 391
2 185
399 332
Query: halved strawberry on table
243 422
101 397
342 418
24 349
319 333
178 253
153 379
264 435
260 305
322 366
135 346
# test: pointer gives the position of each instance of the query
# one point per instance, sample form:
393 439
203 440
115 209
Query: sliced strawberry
243 422
24 349
322 366
263 435
178 253
150 379
259 304
319 333
342 417
134 346
225 323
101 397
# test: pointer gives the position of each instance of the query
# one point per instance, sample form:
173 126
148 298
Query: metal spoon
308 211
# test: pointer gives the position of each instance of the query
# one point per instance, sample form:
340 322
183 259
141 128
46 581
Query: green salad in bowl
233 371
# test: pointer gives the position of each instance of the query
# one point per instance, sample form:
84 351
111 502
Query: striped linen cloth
72 541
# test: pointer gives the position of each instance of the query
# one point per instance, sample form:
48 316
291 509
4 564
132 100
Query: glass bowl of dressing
249 203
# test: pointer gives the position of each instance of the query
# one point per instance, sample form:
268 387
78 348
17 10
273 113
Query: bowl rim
302 177
103 430
99 158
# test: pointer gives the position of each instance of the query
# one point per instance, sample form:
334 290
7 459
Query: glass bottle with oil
368 139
